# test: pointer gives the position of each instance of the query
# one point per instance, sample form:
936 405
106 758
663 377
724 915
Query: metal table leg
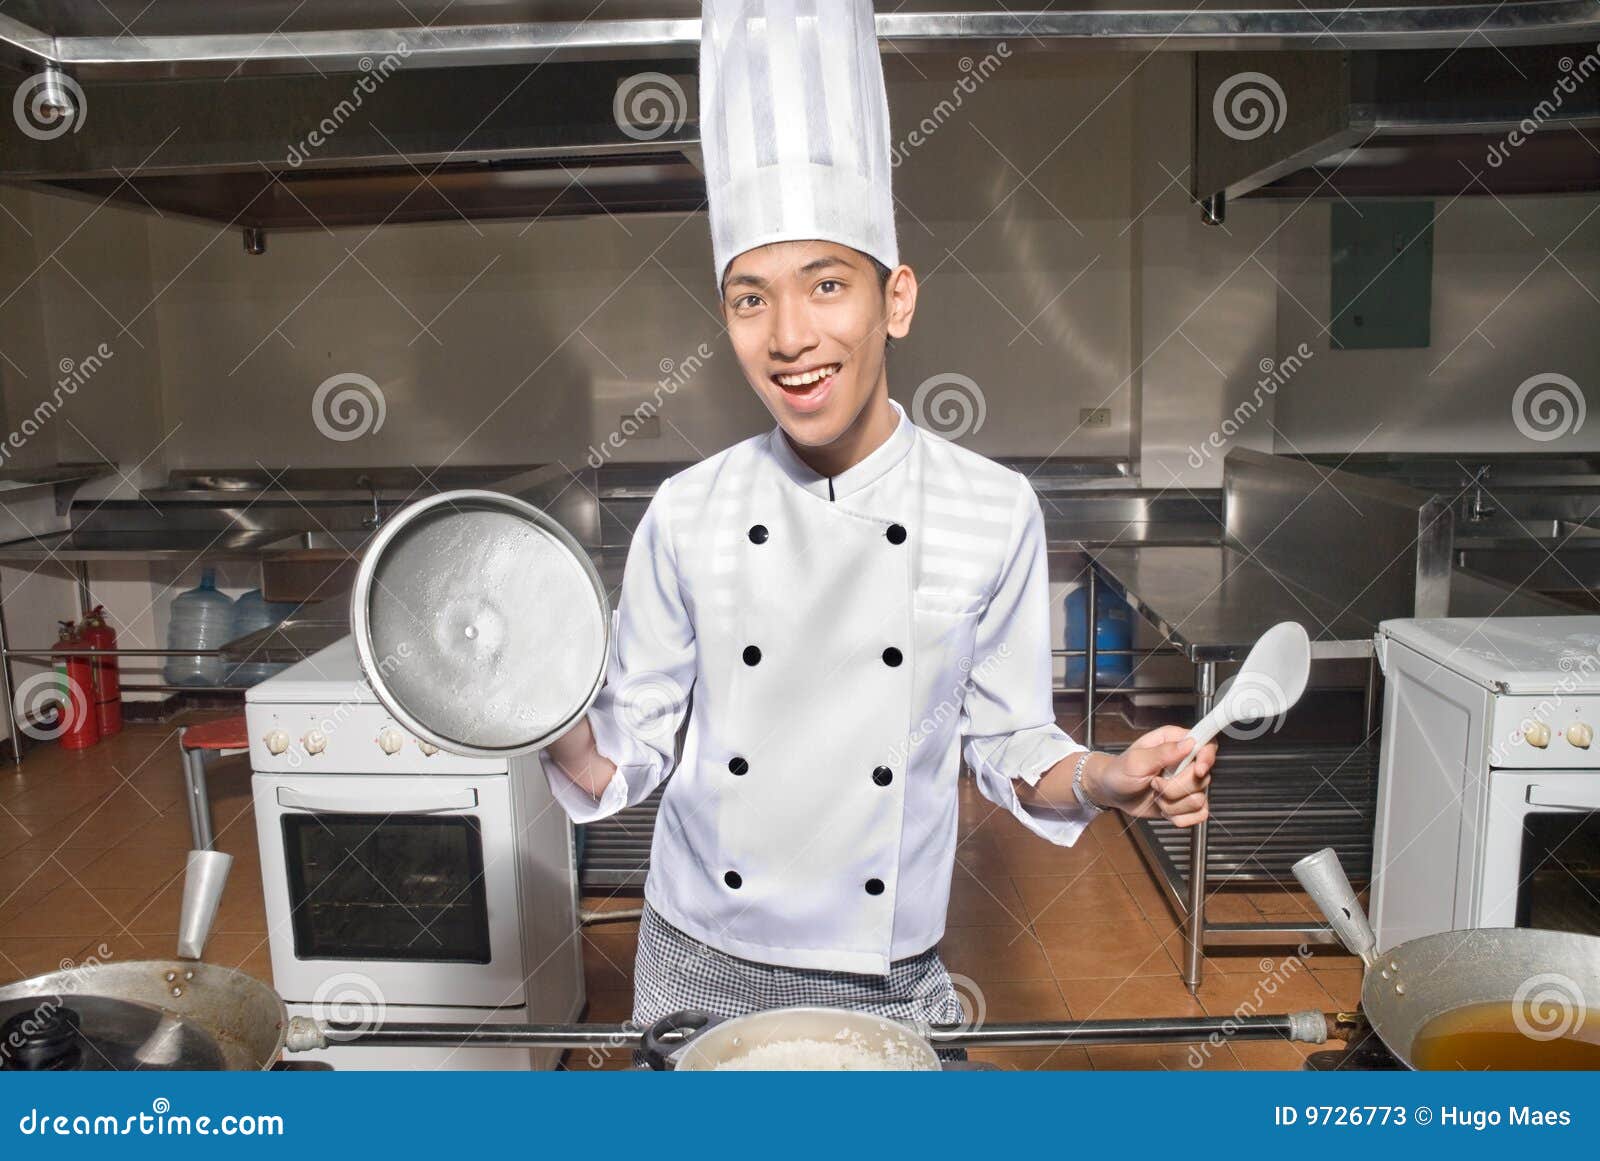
85 598
194 779
1090 661
1205 693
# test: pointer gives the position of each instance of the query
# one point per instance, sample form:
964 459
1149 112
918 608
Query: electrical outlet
641 426
1094 417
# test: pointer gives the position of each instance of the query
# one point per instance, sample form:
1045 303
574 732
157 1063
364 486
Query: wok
1543 982
148 1014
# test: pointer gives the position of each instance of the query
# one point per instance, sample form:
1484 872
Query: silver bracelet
1078 787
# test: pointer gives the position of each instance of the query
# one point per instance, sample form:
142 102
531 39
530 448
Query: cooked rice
846 1052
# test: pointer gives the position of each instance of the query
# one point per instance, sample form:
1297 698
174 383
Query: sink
1509 532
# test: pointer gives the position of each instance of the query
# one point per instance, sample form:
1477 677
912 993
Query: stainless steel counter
1214 602
288 641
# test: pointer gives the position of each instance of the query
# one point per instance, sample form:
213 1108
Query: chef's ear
900 300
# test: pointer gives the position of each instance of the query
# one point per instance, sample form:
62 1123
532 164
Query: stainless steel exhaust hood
1474 122
277 114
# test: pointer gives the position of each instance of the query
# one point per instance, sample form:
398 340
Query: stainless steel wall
514 342
1516 299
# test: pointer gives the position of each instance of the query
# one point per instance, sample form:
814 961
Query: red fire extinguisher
97 633
77 728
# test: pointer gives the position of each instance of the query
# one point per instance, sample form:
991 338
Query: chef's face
808 321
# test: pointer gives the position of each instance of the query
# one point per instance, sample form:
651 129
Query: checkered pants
675 971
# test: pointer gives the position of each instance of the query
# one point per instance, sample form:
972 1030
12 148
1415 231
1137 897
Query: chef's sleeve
1008 715
649 674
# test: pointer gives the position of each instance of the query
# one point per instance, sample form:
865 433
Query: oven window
1560 873
396 887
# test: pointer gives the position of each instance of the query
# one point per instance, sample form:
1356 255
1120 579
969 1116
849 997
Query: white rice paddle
1269 682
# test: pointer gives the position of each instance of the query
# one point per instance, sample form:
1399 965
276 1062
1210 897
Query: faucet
365 481
1478 509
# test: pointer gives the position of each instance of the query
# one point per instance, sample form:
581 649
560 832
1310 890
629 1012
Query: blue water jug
1114 630
253 612
202 618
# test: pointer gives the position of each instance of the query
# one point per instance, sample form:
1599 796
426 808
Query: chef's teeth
808 377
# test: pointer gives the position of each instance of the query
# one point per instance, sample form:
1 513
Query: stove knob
390 740
315 742
276 741
1580 734
428 748
1537 734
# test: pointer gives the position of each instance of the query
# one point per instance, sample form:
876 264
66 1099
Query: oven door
390 890
1541 852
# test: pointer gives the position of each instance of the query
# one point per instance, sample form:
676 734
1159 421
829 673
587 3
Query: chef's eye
830 285
747 302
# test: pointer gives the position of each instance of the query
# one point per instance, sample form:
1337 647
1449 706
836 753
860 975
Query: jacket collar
879 461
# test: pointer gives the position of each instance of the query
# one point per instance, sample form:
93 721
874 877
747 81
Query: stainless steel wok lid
481 625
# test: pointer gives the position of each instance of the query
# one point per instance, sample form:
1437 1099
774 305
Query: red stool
223 736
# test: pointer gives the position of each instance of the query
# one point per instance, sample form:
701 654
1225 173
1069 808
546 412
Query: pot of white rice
789 1040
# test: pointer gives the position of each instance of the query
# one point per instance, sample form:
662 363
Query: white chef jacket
843 642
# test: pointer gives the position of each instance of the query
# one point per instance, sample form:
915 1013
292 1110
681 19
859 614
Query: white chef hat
794 126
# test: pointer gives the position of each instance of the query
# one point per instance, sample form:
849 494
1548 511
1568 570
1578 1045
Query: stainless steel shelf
616 850
1270 806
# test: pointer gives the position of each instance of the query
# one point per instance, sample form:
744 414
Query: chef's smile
807 390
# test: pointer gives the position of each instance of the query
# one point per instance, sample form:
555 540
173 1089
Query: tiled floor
92 850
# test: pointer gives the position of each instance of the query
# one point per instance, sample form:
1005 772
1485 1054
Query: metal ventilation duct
1473 122
276 114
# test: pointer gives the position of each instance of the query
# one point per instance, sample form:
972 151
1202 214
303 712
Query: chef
839 609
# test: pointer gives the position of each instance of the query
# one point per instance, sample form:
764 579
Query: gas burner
1367 1054
45 1039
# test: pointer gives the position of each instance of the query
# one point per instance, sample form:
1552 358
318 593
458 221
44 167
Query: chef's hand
1132 781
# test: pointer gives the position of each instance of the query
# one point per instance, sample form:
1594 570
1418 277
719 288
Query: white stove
1489 787
403 883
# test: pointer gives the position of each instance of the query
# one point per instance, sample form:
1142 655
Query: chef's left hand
1132 781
